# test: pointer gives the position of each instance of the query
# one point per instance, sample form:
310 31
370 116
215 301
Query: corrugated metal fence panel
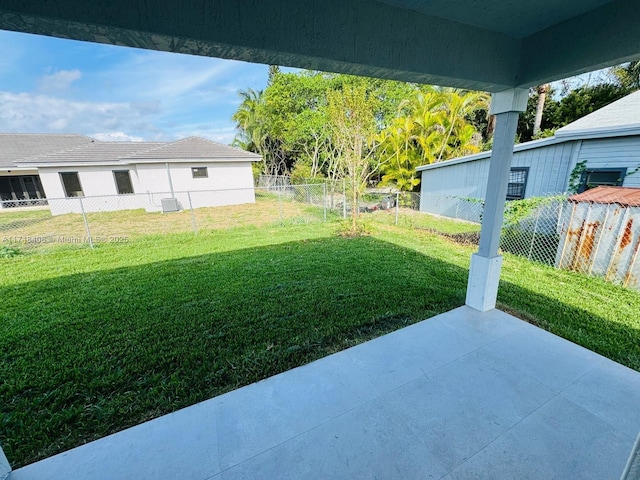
624 266
601 239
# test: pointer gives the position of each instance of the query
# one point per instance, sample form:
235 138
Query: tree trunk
491 126
542 96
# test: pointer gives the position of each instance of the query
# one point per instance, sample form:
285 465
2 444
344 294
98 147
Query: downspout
169 177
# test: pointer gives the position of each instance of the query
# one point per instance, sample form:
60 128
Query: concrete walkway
464 395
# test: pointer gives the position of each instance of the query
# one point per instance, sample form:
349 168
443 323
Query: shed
600 234
606 144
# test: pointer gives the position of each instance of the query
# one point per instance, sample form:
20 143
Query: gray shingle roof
22 146
95 151
620 116
194 148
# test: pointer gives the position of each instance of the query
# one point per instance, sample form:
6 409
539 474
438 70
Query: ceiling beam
351 36
606 36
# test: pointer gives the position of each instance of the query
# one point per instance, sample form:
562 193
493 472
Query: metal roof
620 116
491 45
624 196
21 146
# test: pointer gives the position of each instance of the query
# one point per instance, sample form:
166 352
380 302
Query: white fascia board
604 132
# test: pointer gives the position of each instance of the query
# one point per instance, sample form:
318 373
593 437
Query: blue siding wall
613 153
549 169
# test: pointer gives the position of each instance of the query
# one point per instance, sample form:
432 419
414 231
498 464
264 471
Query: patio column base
484 276
5 468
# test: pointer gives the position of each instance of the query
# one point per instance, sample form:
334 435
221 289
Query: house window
602 176
123 181
199 172
71 184
517 183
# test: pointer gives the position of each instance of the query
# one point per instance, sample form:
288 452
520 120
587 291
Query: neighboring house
128 175
607 140
23 183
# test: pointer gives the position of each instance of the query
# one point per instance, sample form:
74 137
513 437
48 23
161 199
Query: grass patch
95 341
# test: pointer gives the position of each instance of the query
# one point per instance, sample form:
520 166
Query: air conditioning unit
170 205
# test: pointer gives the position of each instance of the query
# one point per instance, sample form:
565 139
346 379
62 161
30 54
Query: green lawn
94 341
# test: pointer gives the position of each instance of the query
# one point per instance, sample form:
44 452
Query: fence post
397 206
324 199
86 222
193 215
279 189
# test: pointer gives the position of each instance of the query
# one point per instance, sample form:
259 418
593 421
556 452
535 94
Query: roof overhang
502 45
130 162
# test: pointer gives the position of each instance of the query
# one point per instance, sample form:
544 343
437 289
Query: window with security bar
517 183
601 177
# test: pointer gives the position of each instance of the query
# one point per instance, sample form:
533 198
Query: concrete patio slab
458 396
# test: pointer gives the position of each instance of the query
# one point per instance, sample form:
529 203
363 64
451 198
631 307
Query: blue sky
54 85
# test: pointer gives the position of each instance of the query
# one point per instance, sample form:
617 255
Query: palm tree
247 121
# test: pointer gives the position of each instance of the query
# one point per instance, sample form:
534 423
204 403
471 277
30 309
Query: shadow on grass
84 356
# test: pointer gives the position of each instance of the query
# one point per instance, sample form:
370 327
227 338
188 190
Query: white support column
5 468
484 273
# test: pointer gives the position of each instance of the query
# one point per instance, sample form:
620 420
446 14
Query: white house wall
617 152
221 176
151 184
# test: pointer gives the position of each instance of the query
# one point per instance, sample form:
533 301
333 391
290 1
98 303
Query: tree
351 115
250 132
584 100
627 75
399 154
542 91
436 126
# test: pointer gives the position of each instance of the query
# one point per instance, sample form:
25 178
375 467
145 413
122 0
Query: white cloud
58 81
122 93
116 137
24 112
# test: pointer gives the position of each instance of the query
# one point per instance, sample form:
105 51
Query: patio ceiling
489 46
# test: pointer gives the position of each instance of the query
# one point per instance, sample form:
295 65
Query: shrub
8 252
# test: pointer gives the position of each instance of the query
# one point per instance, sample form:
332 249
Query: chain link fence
30 224
595 237
599 236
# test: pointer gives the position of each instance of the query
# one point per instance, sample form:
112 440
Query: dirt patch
464 238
